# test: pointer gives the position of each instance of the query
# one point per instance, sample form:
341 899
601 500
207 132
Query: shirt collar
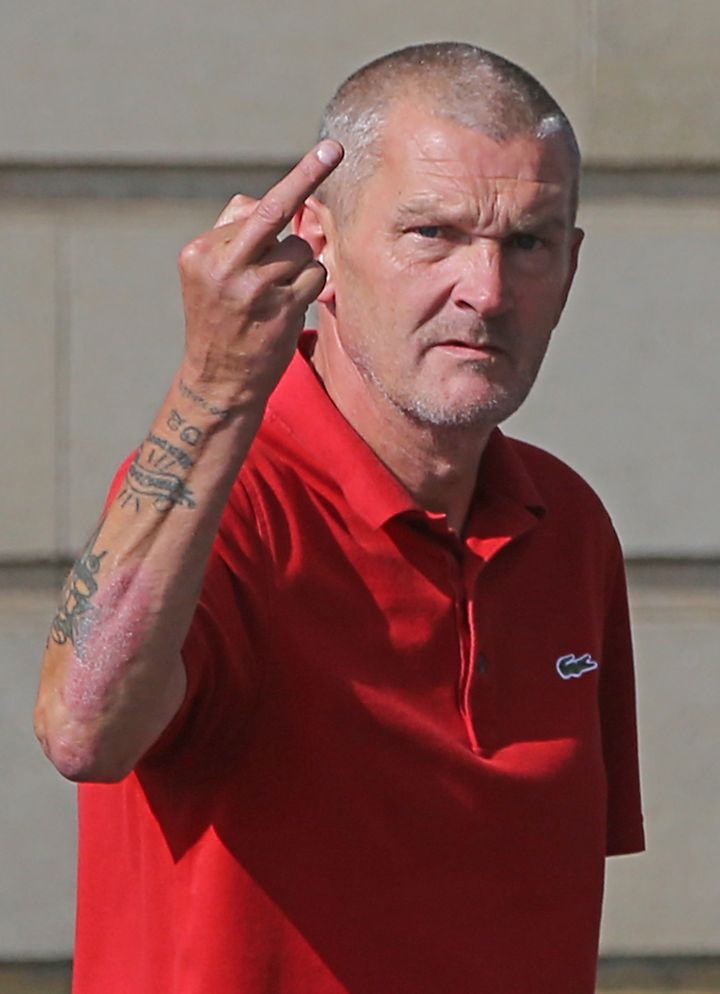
337 451
507 503
333 446
504 476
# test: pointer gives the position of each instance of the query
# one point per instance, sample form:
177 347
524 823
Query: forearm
112 676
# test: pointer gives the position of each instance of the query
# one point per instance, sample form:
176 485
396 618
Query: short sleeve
625 832
222 651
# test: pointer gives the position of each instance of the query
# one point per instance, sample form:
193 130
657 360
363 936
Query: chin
454 415
490 408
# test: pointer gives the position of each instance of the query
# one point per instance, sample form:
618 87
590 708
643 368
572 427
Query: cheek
414 296
367 301
540 300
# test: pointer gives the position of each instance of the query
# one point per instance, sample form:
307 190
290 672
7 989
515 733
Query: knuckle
270 210
191 254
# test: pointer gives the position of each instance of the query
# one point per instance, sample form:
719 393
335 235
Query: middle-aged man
351 670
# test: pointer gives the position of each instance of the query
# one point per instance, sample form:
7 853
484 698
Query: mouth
469 350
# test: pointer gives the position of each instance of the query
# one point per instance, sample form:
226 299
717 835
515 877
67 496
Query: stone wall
124 129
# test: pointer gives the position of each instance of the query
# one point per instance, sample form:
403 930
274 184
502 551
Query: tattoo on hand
80 587
196 398
150 476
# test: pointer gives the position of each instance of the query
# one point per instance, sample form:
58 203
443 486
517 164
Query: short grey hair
458 81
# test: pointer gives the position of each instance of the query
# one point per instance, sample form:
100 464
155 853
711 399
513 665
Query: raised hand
245 290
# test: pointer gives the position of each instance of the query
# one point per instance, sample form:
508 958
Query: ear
577 239
313 222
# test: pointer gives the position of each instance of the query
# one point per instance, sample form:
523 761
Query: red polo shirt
402 757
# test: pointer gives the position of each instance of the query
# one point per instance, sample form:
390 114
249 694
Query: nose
481 282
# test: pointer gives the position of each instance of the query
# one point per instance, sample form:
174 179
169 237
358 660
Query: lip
479 350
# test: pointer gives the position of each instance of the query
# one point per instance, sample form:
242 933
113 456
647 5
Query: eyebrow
542 221
439 210
414 209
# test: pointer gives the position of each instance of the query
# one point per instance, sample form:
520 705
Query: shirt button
481 663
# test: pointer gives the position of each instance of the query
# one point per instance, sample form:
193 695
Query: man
350 670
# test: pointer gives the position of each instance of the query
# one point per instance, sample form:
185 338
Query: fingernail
329 153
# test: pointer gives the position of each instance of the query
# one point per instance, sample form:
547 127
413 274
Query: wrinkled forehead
423 151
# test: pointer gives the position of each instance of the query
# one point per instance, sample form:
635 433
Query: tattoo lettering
175 420
80 587
196 398
189 434
151 476
173 454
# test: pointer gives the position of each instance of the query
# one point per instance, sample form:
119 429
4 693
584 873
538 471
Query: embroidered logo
572 666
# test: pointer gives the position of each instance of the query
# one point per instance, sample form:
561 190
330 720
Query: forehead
428 157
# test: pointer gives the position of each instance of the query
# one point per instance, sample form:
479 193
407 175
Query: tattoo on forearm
175 420
172 454
196 398
76 599
150 476
188 434
191 435
158 470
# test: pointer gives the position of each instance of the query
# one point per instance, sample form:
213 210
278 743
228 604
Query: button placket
479 692
466 573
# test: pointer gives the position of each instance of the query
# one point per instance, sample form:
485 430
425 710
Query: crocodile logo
572 666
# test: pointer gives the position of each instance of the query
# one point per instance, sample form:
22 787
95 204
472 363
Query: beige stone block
28 410
657 77
172 80
126 337
628 394
666 901
37 815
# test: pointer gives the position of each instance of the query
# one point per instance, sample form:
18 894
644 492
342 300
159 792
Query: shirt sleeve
625 833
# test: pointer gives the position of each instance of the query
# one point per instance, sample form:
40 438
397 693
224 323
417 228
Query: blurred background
124 128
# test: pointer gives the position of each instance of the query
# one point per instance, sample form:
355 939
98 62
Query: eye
525 242
429 231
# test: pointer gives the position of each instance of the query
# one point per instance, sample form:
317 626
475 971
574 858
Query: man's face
454 267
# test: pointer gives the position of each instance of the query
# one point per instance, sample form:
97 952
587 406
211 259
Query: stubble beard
497 404
495 408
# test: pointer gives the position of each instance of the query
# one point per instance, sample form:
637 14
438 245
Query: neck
437 465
